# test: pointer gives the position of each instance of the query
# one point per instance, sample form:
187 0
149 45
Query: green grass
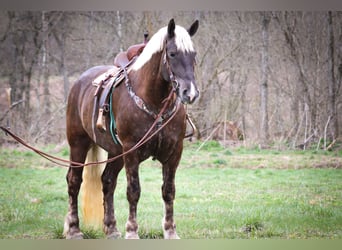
221 193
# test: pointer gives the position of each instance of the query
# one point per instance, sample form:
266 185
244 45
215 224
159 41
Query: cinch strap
112 126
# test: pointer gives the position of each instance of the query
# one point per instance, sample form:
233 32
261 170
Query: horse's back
90 74
84 83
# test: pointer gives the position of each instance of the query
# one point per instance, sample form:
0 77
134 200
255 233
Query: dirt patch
334 163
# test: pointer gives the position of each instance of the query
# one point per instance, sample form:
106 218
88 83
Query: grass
221 193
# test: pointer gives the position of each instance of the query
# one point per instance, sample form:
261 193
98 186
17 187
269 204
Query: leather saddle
123 58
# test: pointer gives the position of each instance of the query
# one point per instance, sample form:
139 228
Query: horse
163 70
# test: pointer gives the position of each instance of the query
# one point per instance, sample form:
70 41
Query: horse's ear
171 28
193 28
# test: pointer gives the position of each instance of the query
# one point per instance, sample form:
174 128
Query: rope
142 141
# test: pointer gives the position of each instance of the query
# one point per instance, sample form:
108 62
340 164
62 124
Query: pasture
221 193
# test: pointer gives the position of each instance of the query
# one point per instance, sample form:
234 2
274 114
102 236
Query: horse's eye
172 54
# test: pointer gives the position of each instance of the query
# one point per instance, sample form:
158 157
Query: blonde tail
91 189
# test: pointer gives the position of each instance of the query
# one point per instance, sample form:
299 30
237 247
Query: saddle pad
111 73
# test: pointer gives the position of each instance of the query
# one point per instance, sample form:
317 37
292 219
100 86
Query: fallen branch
211 134
325 132
331 145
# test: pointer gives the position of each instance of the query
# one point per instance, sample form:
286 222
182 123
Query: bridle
173 80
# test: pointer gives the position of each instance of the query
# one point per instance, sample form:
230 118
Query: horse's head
179 61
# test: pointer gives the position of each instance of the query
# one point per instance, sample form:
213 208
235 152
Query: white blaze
193 92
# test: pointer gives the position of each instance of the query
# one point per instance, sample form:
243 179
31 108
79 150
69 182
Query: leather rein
62 162
156 124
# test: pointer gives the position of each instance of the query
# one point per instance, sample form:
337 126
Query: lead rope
74 164
141 142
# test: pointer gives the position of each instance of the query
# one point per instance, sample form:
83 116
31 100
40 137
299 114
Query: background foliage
293 58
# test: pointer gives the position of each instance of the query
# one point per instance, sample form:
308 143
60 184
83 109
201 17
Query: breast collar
143 106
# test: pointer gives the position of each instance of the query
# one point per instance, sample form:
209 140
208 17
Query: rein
73 164
156 124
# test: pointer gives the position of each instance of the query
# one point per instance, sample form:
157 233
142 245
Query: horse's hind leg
109 179
74 180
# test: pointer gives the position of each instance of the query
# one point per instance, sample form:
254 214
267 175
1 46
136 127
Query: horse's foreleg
168 193
71 223
109 179
133 195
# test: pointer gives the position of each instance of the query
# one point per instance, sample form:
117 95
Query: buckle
106 107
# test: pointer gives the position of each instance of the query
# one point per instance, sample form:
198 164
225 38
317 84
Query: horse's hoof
115 235
72 233
131 236
75 236
169 230
171 236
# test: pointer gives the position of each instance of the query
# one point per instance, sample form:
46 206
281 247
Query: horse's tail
91 189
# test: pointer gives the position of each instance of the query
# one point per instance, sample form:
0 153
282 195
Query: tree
264 134
23 38
238 55
332 80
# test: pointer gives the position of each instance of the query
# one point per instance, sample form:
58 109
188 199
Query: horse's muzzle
189 94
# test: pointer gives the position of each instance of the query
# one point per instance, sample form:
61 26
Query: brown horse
166 64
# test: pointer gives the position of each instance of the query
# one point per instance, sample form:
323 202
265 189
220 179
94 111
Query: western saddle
123 58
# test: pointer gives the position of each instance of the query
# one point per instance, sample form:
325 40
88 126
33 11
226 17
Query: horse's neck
150 85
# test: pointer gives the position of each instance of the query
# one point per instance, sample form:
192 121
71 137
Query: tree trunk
45 55
118 16
90 40
64 69
332 111
264 134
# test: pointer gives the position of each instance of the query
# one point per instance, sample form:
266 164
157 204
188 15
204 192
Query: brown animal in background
227 130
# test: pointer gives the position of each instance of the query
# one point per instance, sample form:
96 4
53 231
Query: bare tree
238 55
264 134
331 79
45 63
24 40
